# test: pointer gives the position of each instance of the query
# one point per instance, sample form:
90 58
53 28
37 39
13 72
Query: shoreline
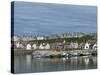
54 53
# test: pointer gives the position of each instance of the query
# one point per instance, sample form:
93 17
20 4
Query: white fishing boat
37 56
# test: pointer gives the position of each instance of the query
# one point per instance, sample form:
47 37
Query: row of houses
55 46
59 44
30 46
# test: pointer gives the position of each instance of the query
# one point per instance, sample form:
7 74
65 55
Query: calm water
46 18
27 64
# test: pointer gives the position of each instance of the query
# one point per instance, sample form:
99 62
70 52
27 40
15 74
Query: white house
34 46
28 47
41 46
40 38
15 38
21 46
17 45
76 45
64 41
47 46
95 46
71 45
87 46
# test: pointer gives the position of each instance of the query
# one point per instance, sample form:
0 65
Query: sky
47 18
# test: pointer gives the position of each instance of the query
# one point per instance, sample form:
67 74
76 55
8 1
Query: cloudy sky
46 18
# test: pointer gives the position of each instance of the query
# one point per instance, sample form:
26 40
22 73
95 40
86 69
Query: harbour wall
54 52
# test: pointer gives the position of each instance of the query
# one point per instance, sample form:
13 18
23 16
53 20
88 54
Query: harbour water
28 64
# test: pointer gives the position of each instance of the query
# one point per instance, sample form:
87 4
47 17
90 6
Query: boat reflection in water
27 64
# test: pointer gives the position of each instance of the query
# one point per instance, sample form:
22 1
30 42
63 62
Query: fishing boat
75 54
37 56
46 55
63 54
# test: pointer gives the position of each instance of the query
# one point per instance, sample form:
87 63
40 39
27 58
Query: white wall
28 47
34 46
47 46
87 46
